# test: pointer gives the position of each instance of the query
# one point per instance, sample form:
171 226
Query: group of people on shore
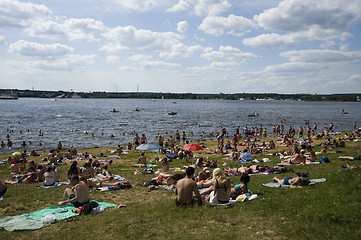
186 186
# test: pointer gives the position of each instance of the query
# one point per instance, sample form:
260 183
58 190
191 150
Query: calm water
59 119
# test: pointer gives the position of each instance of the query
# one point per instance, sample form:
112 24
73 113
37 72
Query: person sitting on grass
241 188
142 159
49 177
185 188
78 195
302 179
221 187
74 170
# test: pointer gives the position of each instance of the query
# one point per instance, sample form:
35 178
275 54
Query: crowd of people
190 188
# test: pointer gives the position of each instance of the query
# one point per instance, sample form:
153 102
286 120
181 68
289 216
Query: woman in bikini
302 179
241 188
221 187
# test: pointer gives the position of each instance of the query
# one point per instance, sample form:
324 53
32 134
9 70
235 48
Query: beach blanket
57 184
276 185
33 221
307 163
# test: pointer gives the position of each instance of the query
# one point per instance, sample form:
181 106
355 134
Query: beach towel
33 221
20 222
57 184
61 212
307 163
276 185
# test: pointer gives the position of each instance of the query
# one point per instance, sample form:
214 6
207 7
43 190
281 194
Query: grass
329 210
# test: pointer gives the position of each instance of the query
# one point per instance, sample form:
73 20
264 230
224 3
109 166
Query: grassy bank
329 210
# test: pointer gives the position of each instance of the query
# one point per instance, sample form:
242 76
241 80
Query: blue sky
198 46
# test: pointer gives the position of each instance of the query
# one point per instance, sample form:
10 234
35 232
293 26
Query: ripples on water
66 120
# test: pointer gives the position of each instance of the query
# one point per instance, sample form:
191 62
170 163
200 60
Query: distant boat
172 113
136 109
253 114
114 111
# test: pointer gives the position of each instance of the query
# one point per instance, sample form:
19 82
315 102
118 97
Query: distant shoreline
347 97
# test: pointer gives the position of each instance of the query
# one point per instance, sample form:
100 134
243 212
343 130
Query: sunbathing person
74 170
185 188
49 177
221 187
246 156
204 175
142 159
302 179
312 154
296 158
91 184
241 188
347 167
164 165
350 158
88 171
238 171
30 177
78 195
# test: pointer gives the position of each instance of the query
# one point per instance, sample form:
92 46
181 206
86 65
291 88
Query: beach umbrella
148 146
192 147
16 153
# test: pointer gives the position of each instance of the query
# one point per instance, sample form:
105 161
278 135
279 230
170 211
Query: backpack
324 160
87 208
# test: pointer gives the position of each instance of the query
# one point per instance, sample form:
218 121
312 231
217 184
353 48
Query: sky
182 46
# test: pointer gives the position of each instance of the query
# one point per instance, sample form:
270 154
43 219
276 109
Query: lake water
66 120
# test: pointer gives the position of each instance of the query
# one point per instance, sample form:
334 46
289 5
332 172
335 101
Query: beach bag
88 207
324 160
213 198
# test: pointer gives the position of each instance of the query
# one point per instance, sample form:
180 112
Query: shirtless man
78 195
185 189
296 158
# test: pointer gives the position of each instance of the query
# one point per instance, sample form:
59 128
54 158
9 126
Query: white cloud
182 5
227 54
158 64
305 21
69 62
112 59
32 49
131 39
137 5
216 25
73 29
322 56
202 7
22 14
355 78
180 50
182 26
300 15
293 39
140 57
327 44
